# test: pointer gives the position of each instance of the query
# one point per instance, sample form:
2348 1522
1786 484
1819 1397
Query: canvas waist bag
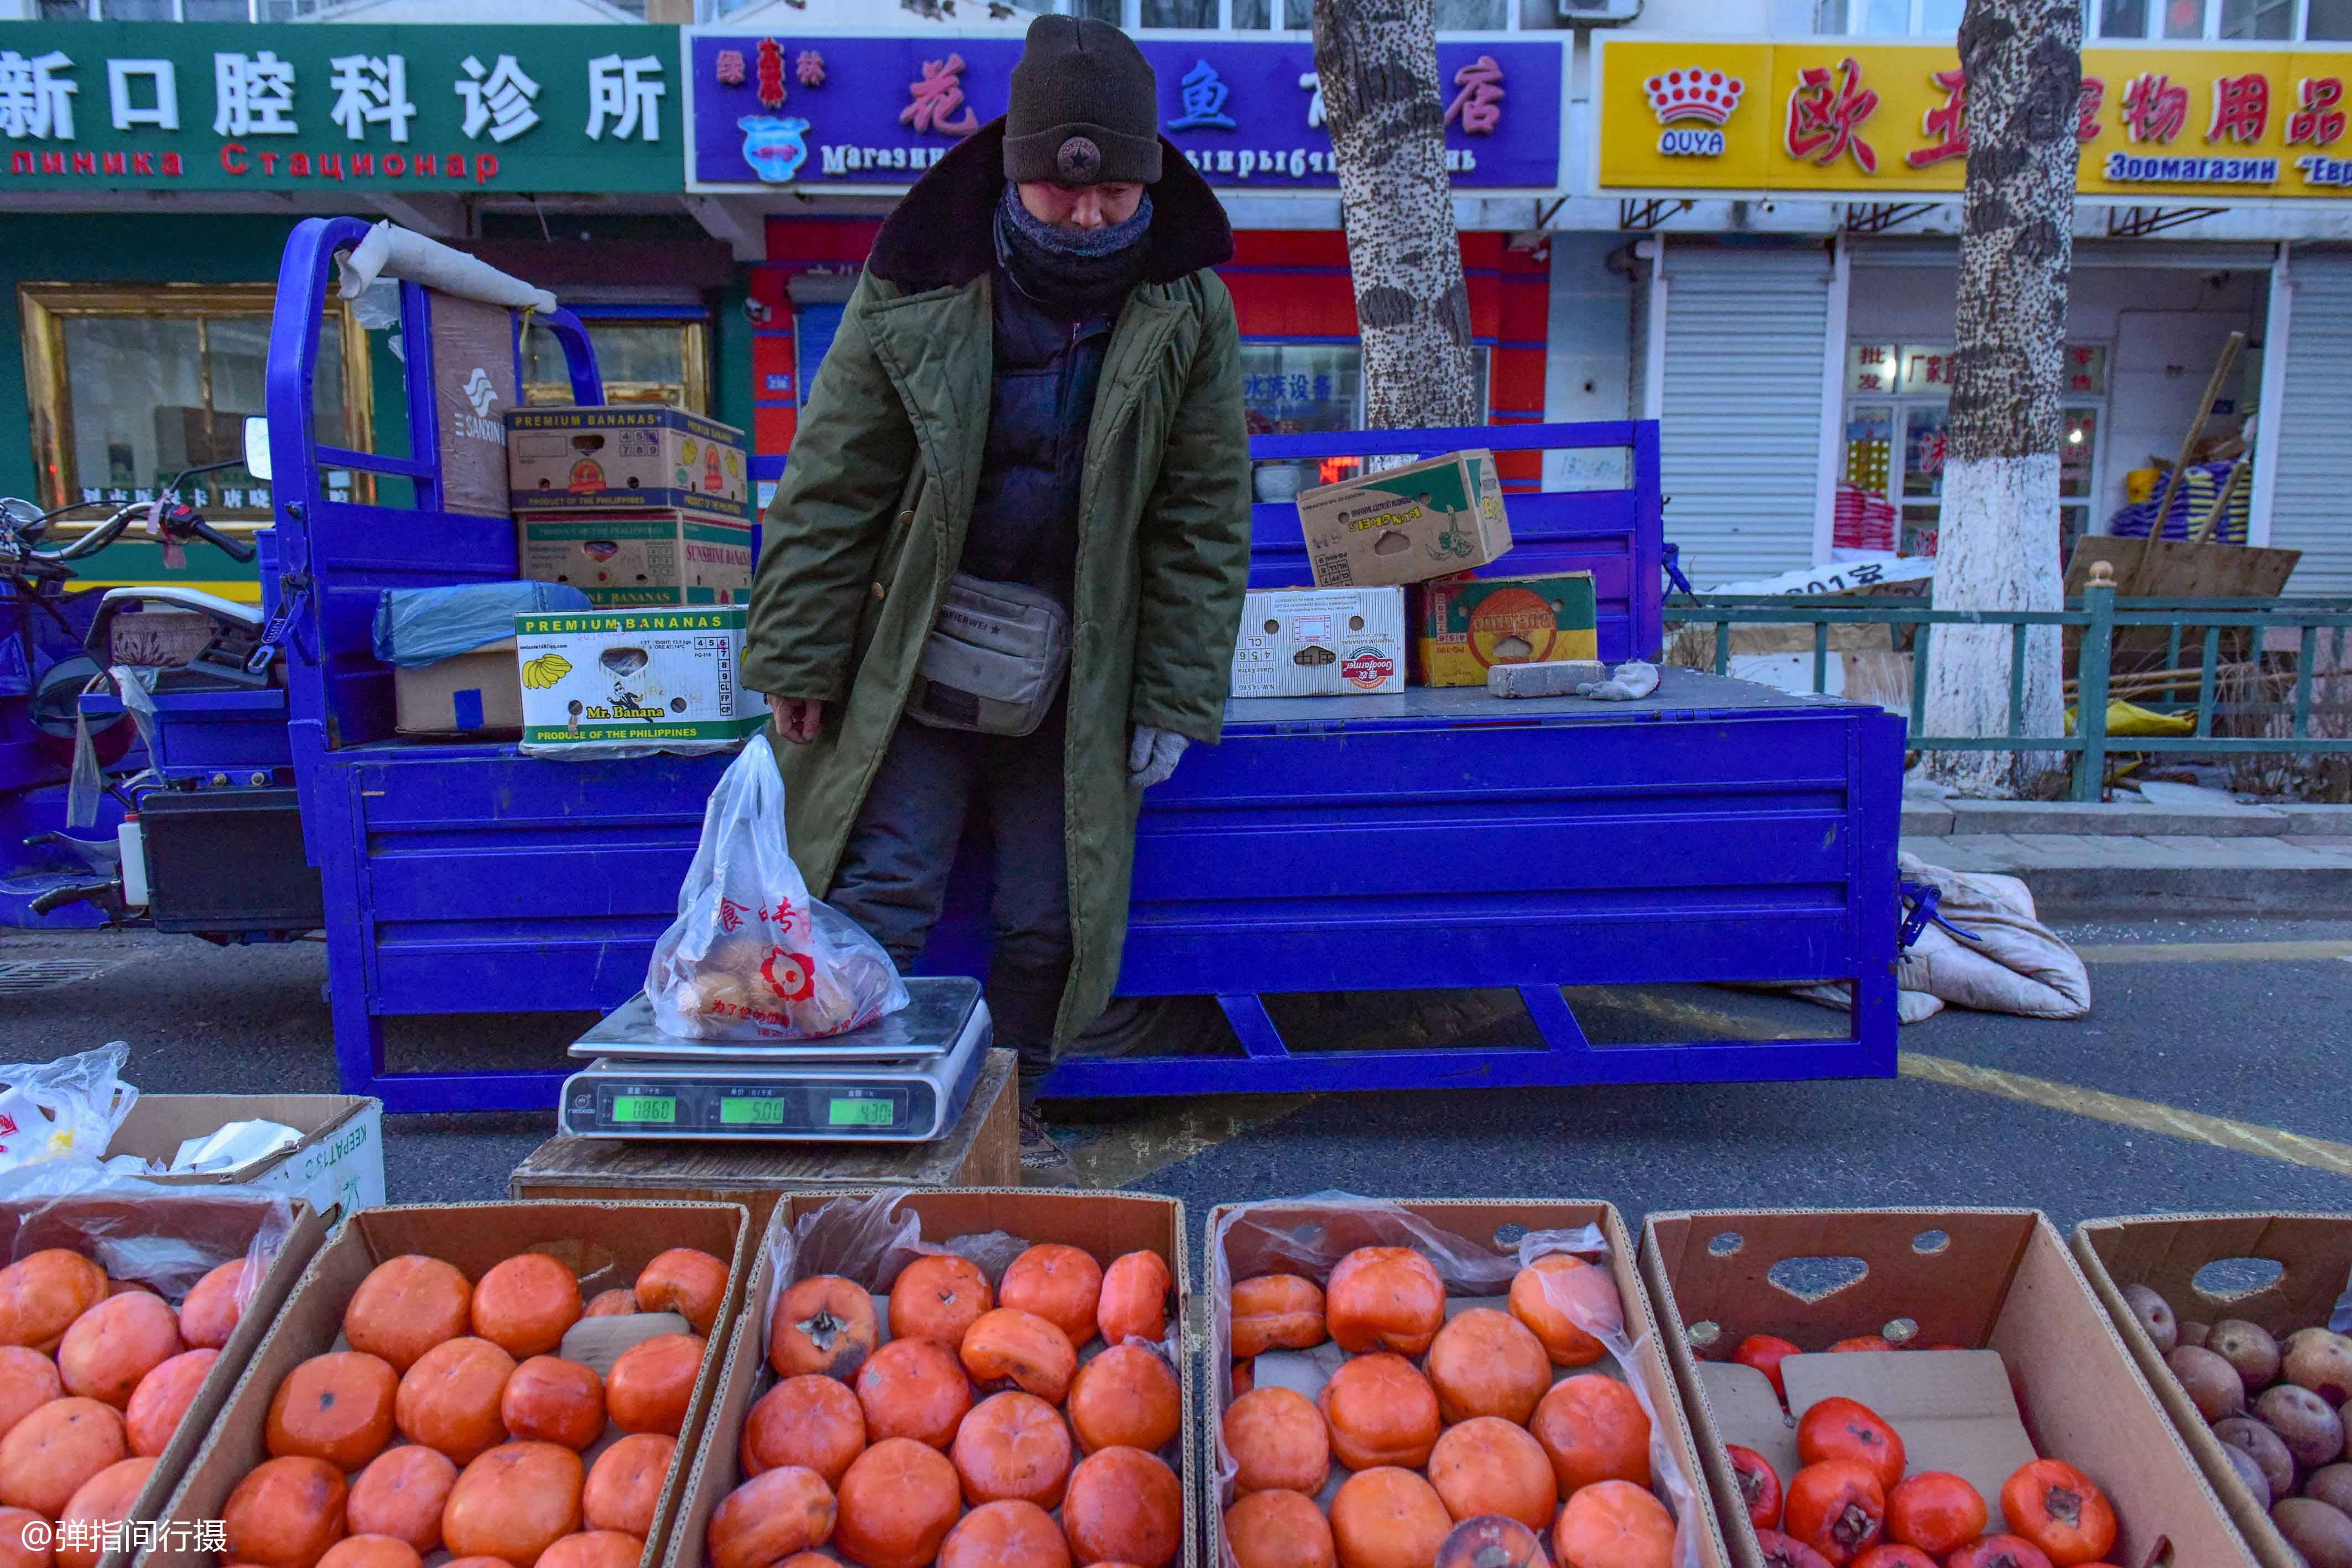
994 661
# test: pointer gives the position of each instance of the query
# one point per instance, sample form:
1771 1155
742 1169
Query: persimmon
1388 1517
1862 1343
20 1528
1849 1429
47 1455
371 1551
1279 1530
1124 1505
1933 1510
1485 1362
1134 1302
1125 1397
1008 1348
554 1401
1837 1507
896 1504
401 1494
28 1379
1784 1552
1491 1540
162 1400
1005 1535
337 1407
1060 1284
1998 1552
913 1388
1764 1353
1384 1297
652 1383
1245 1377
1760 1486
2060 1510
1278 1441
514 1501
770 1517
1381 1411
1489 1465
623 1488
594 1549
110 1347
210 1310
810 1421
824 1325
1276 1311
939 1297
1013 1447
43 1292
686 1280
104 1500
285 1514
620 1301
524 1305
1594 1430
405 1306
450 1398
1561 1299
1894 1554
1614 1525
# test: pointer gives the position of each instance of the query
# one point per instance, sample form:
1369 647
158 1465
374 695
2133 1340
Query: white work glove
1152 756
1629 681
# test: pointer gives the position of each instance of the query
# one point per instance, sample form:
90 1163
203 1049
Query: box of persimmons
1458 1383
958 1377
126 1315
1920 1389
518 1380
2239 1321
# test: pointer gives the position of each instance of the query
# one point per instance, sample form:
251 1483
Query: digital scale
903 1080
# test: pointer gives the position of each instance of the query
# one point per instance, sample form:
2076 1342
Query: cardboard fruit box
216 1225
2166 1252
1105 1225
337 1167
1488 1223
606 1244
2040 1369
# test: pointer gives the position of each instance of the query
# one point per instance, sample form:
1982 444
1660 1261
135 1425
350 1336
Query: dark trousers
893 878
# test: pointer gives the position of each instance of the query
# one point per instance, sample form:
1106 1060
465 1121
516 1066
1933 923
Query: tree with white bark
1377 62
1998 545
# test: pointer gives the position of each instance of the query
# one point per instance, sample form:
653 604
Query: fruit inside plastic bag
751 954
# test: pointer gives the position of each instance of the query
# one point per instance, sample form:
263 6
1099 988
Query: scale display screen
847 1107
764 1111
644 1108
860 1114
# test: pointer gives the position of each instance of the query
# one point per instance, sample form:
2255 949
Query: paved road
2209 1076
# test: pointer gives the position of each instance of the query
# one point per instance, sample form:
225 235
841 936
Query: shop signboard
1836 118
187 106
846 112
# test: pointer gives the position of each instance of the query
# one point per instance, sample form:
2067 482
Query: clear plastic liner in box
165 1239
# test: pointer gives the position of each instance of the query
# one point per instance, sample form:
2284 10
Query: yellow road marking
2215 952
2220 1132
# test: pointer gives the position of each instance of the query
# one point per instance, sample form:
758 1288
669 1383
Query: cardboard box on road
1319 643
2166 1252
2041 1370
626 457
660 556
337 1168
1397 526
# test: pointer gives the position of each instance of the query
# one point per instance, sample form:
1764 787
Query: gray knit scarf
1071 269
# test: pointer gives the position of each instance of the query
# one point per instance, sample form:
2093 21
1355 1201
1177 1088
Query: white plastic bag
751 954
66 1109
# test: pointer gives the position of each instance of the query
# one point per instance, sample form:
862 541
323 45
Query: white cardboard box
1320 643
338 1167
654 678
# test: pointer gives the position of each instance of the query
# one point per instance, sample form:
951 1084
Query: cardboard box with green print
1396 526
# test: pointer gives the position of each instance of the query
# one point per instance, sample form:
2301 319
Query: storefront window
1180 12
128 386
1297 389
1897 18
2077 474
2256 19
642 362
2328 19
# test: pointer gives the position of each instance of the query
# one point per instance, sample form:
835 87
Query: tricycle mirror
256 447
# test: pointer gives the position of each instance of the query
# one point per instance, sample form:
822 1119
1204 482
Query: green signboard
228 107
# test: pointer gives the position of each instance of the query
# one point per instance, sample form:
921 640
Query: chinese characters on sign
1826 113
936 102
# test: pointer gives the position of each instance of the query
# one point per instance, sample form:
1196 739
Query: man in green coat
1034 393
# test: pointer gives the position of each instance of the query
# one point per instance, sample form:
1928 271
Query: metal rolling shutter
1741 420
2315 461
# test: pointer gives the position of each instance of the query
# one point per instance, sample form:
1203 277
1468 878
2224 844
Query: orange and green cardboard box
1396 526
659 556
626 457
1468 624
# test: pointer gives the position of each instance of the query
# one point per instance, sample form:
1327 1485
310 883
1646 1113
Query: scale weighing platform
903 1080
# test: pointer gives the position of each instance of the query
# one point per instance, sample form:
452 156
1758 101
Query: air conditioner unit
1599 13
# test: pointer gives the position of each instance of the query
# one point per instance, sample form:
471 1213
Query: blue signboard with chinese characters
818 111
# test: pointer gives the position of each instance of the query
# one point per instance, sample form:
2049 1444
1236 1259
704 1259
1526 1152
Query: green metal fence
2322 626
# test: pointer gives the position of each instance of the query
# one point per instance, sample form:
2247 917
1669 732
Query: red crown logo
1693 93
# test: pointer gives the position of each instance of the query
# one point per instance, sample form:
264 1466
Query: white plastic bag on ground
751 954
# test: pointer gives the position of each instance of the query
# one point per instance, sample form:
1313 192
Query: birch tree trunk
1998 548
1383 103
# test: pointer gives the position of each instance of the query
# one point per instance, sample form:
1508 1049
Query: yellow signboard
1864 120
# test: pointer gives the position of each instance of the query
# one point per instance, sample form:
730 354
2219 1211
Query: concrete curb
1924 816
2089 876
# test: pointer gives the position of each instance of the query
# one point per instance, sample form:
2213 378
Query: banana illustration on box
543 672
